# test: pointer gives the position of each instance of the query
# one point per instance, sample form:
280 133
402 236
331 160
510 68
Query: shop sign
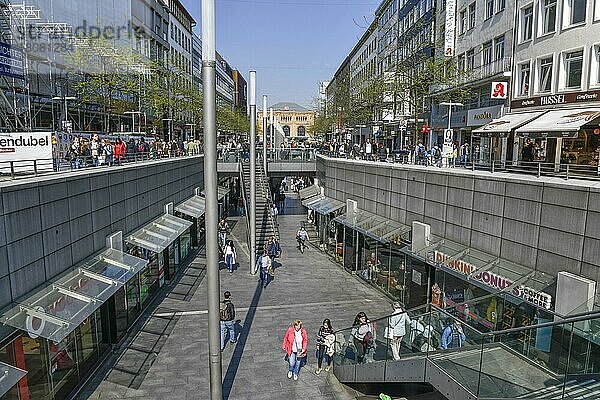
554 99
450 28
499 90
496 281
11 61
26 147
481 116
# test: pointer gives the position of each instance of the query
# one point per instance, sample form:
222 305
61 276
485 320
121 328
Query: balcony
496 67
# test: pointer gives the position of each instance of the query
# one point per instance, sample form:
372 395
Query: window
548 16
597 63
461 63
524 77
487 53
472 15
527 23
546 66
489 9
499 47
470 59
574 69
501 5
301 131
576 10
463 21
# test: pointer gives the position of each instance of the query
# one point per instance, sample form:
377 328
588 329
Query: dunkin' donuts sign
496 281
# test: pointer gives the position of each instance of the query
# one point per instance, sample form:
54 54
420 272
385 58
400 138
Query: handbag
388 333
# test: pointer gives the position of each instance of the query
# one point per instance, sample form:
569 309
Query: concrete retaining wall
50 223
549 224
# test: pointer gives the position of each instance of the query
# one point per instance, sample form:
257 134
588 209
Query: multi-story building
181 41
225 83
197 62
484 39
150 20
555 98
240 91
338 100
294 120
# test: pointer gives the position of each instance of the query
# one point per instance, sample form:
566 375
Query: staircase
265 224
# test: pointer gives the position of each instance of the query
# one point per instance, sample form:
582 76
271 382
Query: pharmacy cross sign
499 90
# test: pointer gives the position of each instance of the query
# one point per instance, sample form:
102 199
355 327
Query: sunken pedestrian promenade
167 358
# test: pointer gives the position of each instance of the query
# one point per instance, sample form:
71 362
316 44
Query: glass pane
63 366
35 354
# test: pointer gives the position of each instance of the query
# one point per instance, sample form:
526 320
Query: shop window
524 79
546 65
472 15
573 63
489 9
548 16
526 23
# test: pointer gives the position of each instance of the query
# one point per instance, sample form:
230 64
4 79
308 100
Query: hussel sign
23 148
496 281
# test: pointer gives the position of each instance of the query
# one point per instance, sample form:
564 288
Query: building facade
240 91
294 120
225 83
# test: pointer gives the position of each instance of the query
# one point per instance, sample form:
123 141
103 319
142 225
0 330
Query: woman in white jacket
397 327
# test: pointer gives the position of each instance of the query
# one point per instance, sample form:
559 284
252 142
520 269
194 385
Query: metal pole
264 140
272 132
210 187
252 211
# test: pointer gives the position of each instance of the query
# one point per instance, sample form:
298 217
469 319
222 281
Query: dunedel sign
553 99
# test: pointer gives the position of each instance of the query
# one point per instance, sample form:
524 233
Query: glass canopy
312 199
56 310
194 207
309 192
325 205
376 227
159 234
9 376
497 274
221 192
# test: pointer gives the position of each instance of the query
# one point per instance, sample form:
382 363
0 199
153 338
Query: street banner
22 148
11 61
450 28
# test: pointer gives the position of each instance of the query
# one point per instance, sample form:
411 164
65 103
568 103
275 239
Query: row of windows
411 17
368 50
288 118
388 13
301 131
557 72
542 17
365 72
491 51
180 38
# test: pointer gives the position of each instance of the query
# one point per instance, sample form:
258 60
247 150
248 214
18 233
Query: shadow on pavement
241 343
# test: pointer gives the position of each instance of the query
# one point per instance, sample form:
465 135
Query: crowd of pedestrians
96 151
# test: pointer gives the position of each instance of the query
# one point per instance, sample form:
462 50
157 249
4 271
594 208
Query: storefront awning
221 192
9 376
194 207
159 234
559 123
312 199
56 310
376 227
309 192
501 127
325 205
496 274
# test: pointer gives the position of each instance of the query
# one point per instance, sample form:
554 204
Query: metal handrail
245 200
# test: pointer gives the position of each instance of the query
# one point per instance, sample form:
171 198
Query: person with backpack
453 336
227 313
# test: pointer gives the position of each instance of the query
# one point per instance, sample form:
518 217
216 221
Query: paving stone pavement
306 286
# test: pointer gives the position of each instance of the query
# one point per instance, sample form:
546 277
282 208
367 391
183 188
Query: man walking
264 264
223 230
227 312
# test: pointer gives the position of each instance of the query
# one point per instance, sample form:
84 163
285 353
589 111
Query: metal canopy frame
160 233
310 191
195 207
9 377
325 205
372 225
54 311
221 192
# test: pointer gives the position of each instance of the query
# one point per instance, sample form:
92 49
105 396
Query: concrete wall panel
519 190
573 196
522 210
22 223
561 243
563 218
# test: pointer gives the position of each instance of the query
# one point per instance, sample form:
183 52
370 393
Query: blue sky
292 44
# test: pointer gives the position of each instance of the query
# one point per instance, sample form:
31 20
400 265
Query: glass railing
552 358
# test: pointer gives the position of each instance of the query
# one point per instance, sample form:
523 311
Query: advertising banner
450 28
22 148
11 61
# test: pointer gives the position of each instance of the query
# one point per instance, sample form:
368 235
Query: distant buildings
293 120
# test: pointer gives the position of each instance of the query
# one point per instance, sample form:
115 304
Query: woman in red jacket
295 343
119 151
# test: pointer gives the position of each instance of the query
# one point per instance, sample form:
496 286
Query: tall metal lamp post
210 187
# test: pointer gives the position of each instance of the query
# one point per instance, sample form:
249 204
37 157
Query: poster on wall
11 61
22 148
